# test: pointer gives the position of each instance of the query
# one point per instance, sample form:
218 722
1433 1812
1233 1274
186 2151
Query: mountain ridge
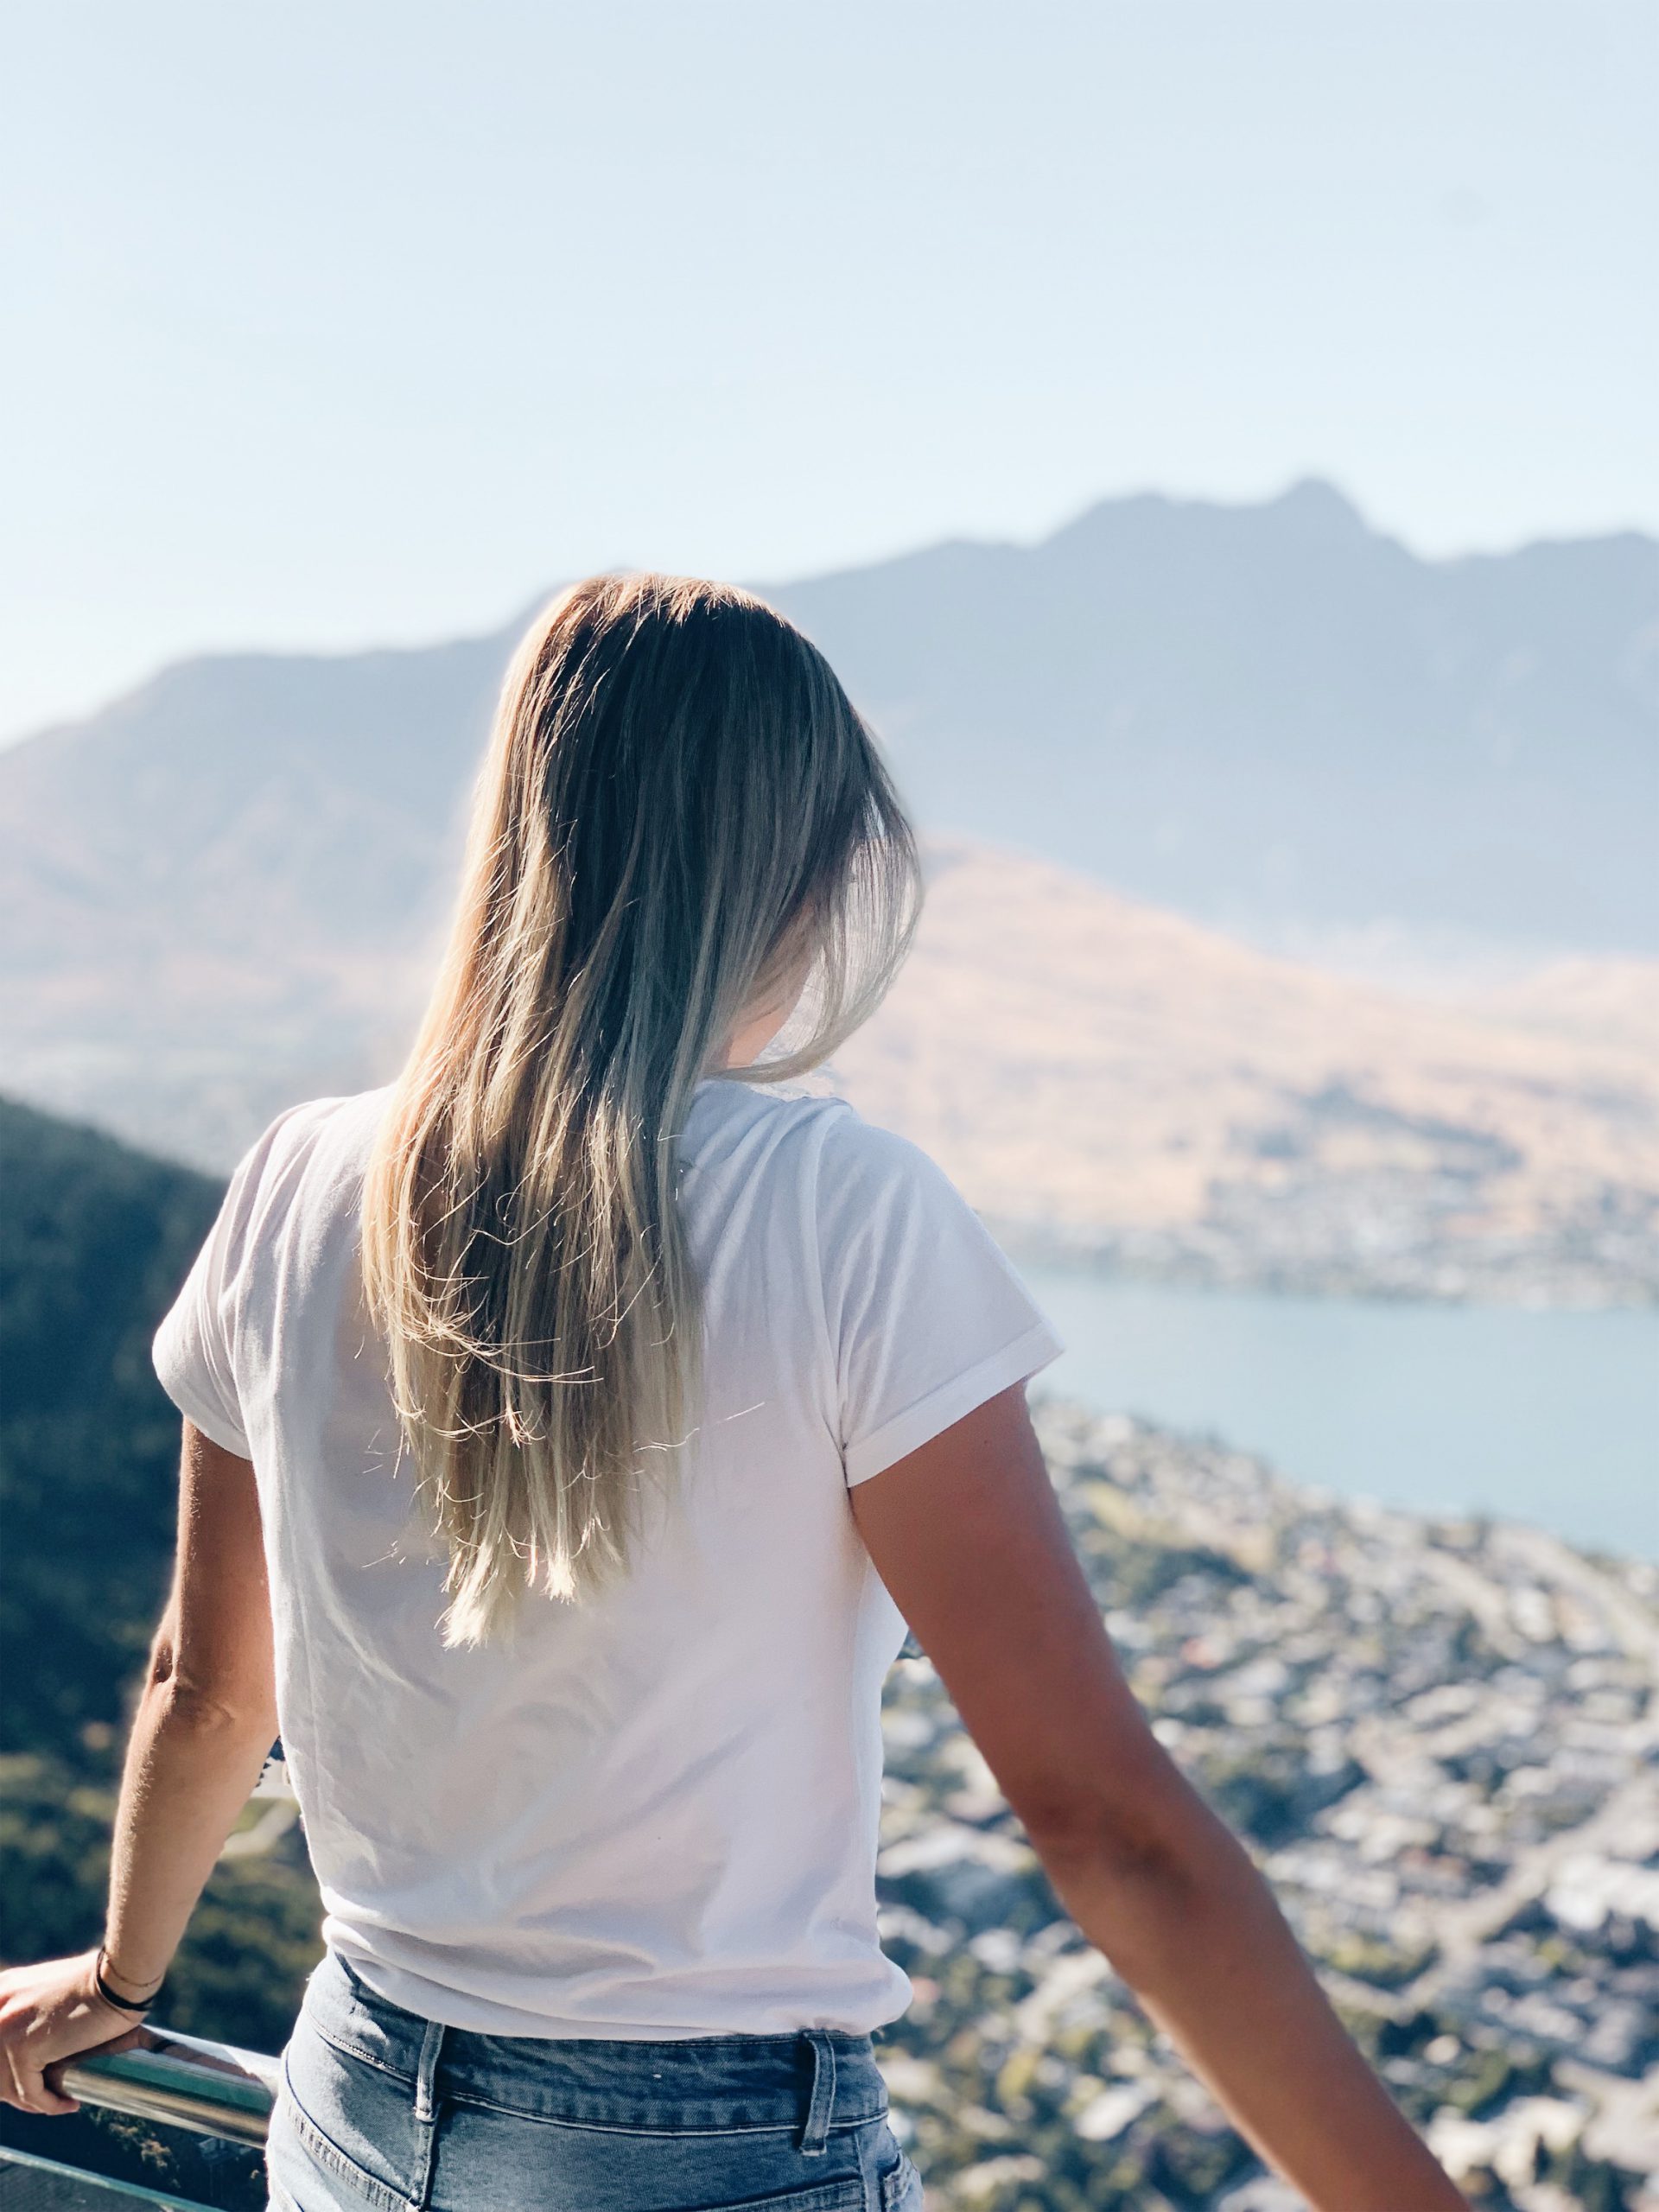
1254 714
233 884
1250 713
1628 538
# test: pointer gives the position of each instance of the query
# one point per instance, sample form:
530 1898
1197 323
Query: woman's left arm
206 1720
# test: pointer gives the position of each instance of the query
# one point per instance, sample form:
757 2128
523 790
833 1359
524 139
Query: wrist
120 1991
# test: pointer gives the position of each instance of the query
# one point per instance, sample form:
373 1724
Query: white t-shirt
654 1813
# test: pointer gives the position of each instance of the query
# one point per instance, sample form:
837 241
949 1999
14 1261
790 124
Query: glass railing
176 2121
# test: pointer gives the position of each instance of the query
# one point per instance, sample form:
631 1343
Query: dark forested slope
95 1239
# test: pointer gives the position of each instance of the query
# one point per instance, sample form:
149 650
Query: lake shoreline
1528 1278
1548 1415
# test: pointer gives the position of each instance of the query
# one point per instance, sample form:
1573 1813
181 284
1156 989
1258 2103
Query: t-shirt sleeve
193 1349
927 1318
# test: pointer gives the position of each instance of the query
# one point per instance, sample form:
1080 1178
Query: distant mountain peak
1312 503
1310 508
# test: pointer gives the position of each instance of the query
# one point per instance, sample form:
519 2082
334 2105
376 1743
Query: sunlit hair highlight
678 812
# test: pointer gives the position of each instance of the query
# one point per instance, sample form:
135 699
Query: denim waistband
822 2078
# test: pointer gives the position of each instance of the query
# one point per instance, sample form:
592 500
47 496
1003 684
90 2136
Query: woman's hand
49 2012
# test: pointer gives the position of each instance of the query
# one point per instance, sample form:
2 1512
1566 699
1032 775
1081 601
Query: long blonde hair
678 808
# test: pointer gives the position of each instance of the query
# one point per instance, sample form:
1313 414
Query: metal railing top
180 2080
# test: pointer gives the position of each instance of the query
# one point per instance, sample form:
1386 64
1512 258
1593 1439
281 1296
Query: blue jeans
381 2109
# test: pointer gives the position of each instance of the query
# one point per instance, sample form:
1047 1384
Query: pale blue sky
363 322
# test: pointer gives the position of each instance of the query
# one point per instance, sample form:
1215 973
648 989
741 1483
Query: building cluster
1437 1737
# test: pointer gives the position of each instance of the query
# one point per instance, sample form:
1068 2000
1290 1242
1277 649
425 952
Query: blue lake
1550 1417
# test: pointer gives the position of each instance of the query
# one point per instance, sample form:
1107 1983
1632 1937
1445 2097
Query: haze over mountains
225 891
1104 1075
1272 713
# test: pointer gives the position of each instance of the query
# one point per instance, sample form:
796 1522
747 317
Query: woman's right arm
967 1535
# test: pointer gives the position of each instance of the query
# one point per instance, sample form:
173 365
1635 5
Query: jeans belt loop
426 2072
815 2136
